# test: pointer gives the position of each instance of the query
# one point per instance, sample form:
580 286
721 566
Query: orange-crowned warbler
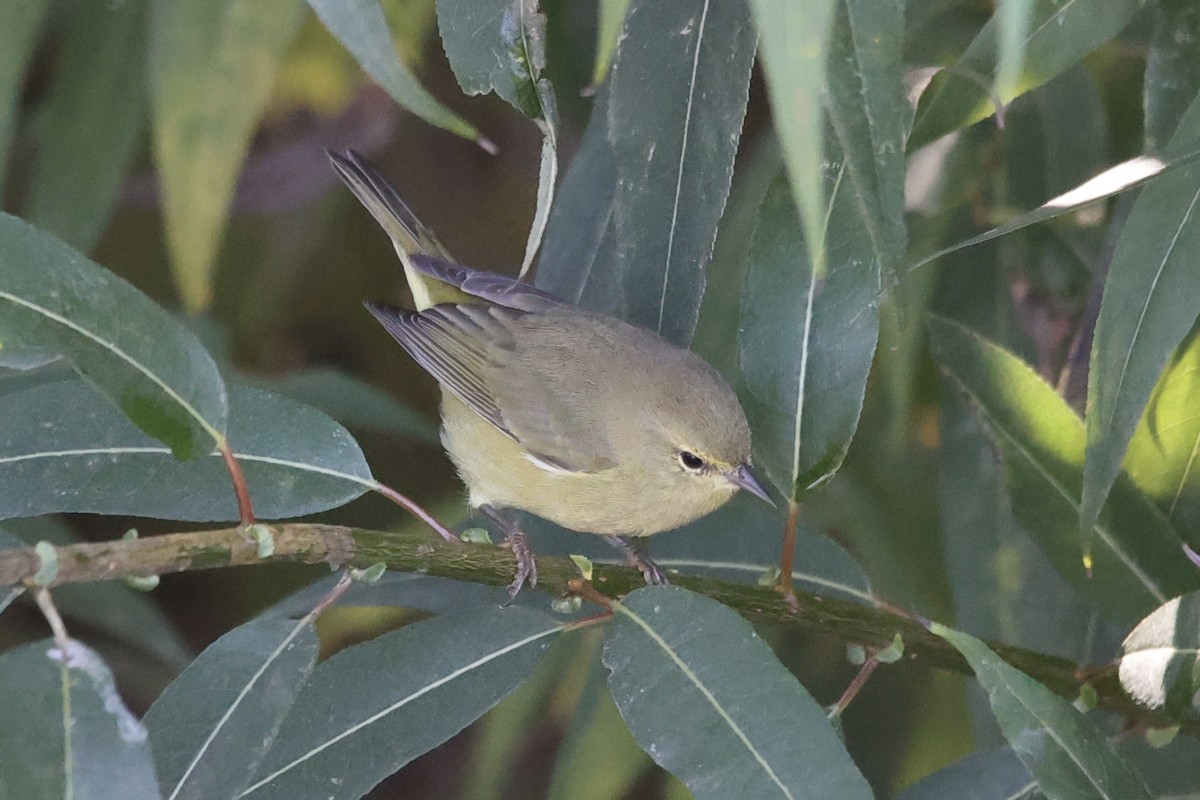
580 418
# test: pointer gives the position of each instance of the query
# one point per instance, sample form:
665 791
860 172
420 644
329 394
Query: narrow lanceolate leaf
806 344
608 31
65 449
130 349
1137 560
500 46
20 24
869 113
66 731
794 46
1160 661
678 666
1172 69
578 255
1013 18
92 121
362 29
1131 174
1066 754
677 98
1059 35
1162 457
212 65
211 726
374 707
1150 301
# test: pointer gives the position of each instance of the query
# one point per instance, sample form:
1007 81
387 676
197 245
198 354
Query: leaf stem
411 507
245 509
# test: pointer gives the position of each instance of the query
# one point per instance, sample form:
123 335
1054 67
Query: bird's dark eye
691 460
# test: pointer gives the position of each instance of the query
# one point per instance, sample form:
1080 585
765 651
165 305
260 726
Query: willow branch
411 552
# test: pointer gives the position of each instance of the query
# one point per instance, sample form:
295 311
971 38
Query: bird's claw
526 566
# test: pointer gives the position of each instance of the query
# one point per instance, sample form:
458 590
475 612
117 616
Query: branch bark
341 546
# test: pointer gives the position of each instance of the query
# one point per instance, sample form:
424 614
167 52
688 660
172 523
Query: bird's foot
515 540
526 567
636 556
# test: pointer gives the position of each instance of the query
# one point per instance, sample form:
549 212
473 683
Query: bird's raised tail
409 236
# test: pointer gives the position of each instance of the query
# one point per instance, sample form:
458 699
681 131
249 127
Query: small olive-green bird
580 418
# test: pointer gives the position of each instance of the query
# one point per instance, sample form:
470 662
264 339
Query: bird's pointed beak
744 479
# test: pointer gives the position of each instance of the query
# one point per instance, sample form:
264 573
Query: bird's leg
514 539
636 556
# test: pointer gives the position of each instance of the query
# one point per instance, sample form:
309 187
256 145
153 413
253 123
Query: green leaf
74 452
794 40
92 121
213 724
20 23
1003 586
869 114
1060 34
1150 299
1137 563
995 774
351 402
363 30
117 338
1161 455
578 259
1160 662
107 606
1066 754
806 343
212 65
67 733
496 46
1172 69
372 708
679 666
1013 18
1131 174
677 98
611 18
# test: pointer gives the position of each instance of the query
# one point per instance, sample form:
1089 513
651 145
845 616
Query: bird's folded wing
471 351
499 289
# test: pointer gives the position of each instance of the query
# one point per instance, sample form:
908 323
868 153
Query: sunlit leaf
92 121
211 726
794 39
72 451
677 98
678 664
1160 664
1150 299
608 31
1137 560
806 343
66 731
1162 452
372 708
212 64
1066 754
1013 18
130 349
362 28
1059 35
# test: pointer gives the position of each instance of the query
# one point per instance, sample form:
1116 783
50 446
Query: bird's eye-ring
691 461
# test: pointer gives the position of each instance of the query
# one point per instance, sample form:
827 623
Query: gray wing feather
498 289
470 350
